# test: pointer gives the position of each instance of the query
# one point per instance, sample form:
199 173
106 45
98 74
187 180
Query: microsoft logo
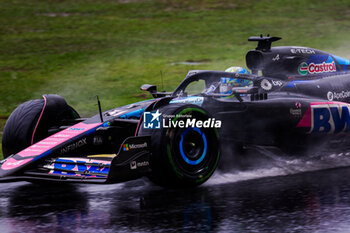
125 147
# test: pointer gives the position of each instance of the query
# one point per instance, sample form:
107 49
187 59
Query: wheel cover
193 146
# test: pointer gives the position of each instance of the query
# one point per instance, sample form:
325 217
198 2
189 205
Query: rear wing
264 43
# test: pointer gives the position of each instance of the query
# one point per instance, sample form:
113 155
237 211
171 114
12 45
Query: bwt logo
330 118
152 120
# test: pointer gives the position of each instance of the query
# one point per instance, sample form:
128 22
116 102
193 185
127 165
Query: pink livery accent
12 163
56 139
41 114
306 121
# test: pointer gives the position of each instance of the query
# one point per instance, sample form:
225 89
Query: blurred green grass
79 49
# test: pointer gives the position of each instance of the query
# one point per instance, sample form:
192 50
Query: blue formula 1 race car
295 97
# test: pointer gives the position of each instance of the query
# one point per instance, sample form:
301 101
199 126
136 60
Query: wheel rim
193 146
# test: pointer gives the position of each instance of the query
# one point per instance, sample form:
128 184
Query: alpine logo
276 58
327 118
313 68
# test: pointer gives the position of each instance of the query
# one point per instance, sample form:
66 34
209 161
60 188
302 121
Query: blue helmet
237 69
228 83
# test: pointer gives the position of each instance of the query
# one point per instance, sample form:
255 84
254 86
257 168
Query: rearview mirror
150 88
153 90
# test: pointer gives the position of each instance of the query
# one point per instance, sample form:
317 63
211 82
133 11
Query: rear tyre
34 115
183 157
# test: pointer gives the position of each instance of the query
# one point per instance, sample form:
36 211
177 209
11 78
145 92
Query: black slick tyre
30 122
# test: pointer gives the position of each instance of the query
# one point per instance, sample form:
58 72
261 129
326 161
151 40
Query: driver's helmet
226 84
237 69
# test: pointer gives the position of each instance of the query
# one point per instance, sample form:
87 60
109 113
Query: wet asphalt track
308 202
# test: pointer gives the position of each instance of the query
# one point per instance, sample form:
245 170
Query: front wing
42 162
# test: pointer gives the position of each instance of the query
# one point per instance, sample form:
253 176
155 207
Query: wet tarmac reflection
315 201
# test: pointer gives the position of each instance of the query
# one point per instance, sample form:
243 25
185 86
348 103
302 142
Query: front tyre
30 122
183 156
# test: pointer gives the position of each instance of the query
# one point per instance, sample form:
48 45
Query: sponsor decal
330 96
277 83
138 146
74 146
328 117
313 68
97 140
68 165
303 68
127 147
76 128
321 68
295 112
153 121
135 165
338 95
266 85
302 50
197 100
276 58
